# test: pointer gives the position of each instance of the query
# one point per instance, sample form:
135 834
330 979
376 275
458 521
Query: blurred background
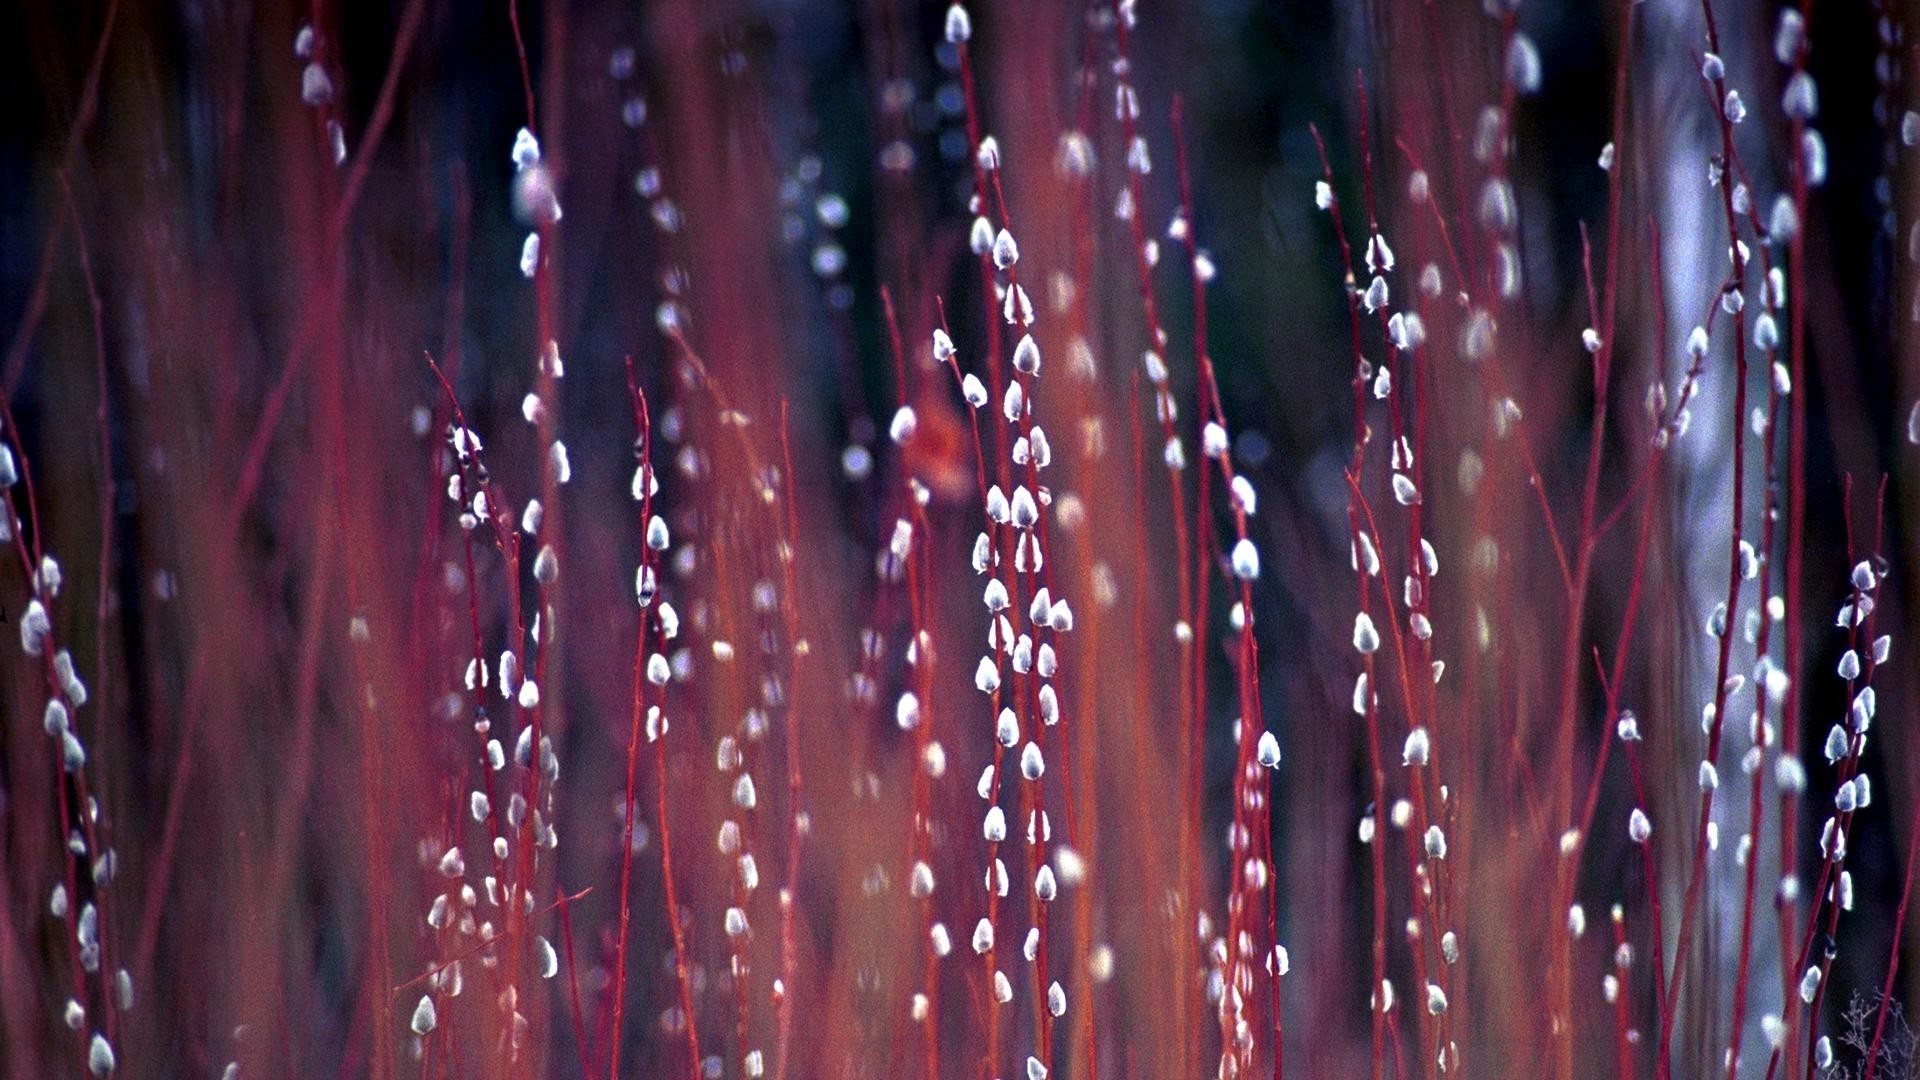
221 275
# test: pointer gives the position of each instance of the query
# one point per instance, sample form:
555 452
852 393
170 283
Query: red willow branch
1366 700
1727 110
649 669
1192 738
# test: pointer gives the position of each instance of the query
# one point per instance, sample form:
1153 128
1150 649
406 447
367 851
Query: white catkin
1268 751
1244 496
526 150
995 826
1026 511
1026 356
1379 255
1060 617
1245 560
1417 749
1366 639
1044 885
959 25
972 390
1789 36
530 255
905 422
1376 296
424 1016
1032 764
1523 64
987 677
1006 251
316 87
